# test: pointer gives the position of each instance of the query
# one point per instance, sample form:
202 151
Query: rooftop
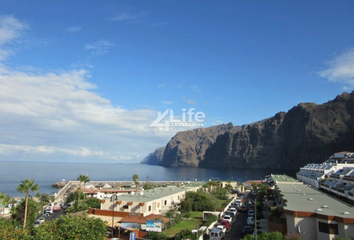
283 178
157 193
302 198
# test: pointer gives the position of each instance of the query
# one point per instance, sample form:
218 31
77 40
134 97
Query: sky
84 81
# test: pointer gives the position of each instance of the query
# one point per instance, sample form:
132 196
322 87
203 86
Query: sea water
45 174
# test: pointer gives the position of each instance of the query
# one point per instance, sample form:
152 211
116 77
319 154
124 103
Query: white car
37 223
41 219
222 227
234 210
251 212
228 218
250 221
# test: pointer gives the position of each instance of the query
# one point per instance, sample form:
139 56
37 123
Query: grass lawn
190 224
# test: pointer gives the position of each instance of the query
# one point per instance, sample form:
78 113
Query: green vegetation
93 203
196 201
194 219
60 229
136 181
83 179
26 186
23 209
275 236
72 228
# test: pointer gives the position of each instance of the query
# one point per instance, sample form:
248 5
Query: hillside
306 133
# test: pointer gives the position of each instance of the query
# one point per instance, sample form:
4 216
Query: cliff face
306 133
253 147
154 158
187 149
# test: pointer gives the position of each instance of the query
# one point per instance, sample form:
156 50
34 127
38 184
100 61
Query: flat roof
277 178
302 198
157 193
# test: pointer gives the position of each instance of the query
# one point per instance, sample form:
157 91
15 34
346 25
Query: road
235 232
56 214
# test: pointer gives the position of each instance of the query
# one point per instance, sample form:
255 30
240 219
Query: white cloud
167 102
195 89
73 29
100 47
191 102
56 116
10 29
124 17
158 24
341 68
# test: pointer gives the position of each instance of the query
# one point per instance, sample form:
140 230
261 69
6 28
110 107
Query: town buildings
297 208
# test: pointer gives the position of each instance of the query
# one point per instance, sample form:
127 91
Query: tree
73 228
73 197
229 186
93 203
25 187
265 236
5 199
18 213
83 179
184 234
136 181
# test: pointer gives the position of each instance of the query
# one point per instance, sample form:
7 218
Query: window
158 205
165 202
149 208
328 228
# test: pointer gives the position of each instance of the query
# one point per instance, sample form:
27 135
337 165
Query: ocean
45 174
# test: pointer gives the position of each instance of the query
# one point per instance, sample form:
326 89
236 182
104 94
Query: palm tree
25 187
83 179
5 199
136 181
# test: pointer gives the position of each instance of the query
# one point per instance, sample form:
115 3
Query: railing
62 191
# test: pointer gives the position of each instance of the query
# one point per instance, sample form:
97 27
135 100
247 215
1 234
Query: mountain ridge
308 132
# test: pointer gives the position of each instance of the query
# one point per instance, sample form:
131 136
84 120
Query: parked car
222 227
49 210
254 193
232 214
233 210
247 230
250 221
250 212
228 218
56 207
216 234
37 223
235 204
41 219
226 224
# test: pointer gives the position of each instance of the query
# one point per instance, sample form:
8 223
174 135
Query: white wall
307 226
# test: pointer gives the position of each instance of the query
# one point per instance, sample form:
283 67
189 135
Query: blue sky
83 80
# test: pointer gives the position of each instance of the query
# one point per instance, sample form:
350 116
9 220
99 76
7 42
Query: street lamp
114 198
255 218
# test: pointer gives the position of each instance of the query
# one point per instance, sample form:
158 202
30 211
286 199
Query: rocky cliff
154 158
306 133
187 148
